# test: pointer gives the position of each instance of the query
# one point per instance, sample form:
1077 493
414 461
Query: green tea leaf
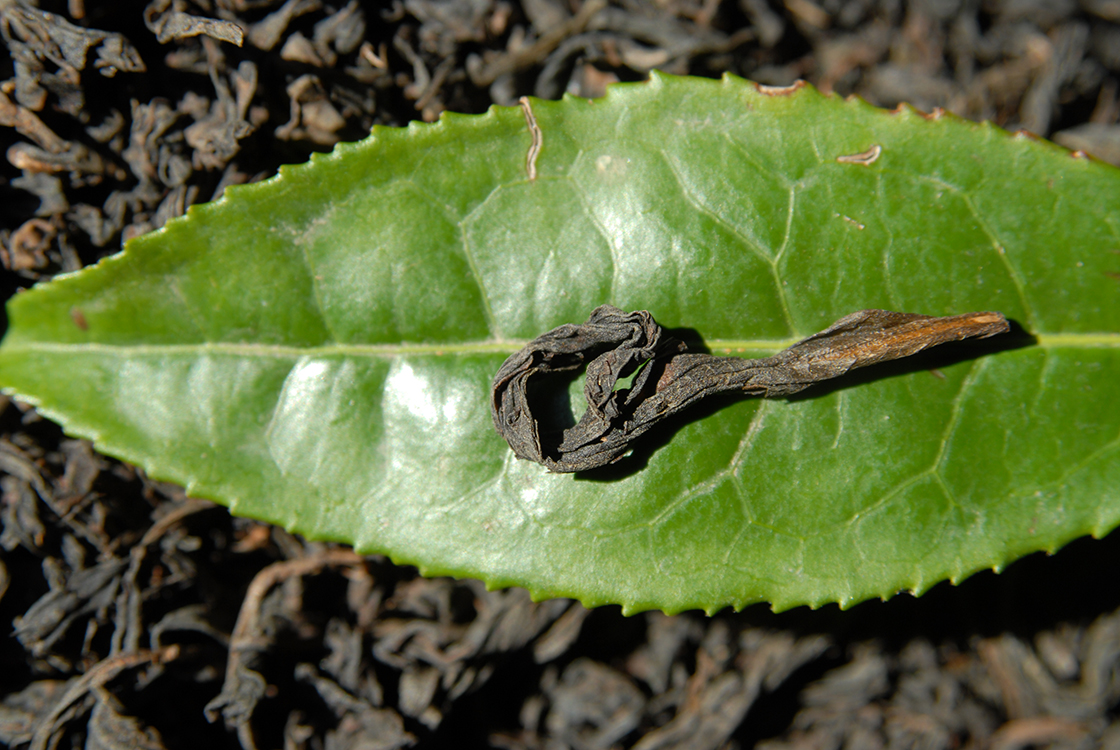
316 350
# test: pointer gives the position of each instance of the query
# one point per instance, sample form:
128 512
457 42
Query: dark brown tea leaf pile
133 601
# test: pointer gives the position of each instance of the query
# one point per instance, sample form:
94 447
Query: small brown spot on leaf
780 90
537 136
79 318
865 158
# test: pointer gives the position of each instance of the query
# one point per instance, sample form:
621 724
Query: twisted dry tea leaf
618 344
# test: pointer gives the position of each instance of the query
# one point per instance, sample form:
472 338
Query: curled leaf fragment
668 379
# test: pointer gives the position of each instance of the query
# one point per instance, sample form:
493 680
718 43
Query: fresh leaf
317 349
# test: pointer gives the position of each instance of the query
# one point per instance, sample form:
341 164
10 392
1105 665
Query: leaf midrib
504 346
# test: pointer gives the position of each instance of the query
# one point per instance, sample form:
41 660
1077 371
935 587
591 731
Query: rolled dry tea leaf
614 344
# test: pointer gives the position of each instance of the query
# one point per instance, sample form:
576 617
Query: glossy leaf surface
317 350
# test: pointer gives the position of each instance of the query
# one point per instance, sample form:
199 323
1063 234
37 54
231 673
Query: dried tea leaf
52 37
168 23
360 725
615 345
21 713
80 593
593 705
109 729
266 33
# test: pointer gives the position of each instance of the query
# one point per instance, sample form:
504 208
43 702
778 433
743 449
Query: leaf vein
976 367
888 247
586 205
690 197
746 155
993 238
1083 463
1001 251
465 348
316 292
747 441
476 272
778 258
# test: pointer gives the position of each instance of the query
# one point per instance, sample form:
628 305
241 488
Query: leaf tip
1102 529
907 111
915 589
730 79
659 79
781 604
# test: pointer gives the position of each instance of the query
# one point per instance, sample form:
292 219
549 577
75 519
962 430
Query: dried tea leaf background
316 350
